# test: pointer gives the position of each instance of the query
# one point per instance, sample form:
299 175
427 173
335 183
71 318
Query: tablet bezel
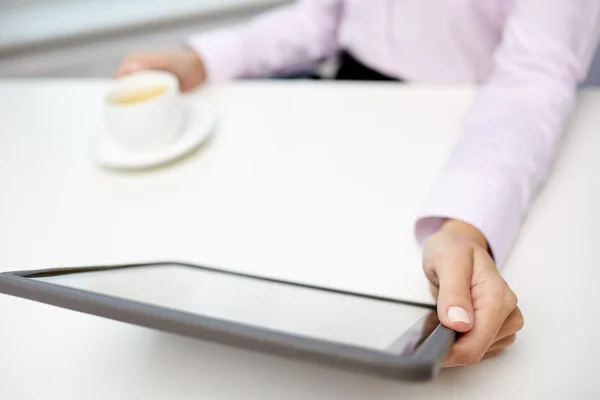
424 364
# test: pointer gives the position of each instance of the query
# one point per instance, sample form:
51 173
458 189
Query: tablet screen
309 312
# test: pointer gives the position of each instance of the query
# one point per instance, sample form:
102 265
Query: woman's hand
472 297
185 64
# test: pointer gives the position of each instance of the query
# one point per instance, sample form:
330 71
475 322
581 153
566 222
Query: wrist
466 230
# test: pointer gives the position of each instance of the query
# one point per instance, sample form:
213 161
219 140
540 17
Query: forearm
288 39
511 133
495 169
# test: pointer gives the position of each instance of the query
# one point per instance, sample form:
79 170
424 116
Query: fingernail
458 314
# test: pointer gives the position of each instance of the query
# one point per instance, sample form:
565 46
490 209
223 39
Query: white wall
97 54
11 3
96 57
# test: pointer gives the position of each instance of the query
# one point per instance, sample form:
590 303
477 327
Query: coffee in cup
145 110
140 95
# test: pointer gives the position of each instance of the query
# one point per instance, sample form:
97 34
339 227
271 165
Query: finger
503 343
491 354
493 306
473 345
128 67
435 291
452 269
145 61
513 324
487 355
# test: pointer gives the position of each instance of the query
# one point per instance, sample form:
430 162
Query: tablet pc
361 332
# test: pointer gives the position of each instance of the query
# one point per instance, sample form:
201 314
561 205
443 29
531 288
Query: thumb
453 269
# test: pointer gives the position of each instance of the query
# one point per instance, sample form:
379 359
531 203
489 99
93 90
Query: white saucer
201 120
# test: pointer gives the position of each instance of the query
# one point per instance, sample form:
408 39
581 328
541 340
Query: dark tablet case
424 364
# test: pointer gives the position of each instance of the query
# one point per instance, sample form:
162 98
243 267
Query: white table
312 182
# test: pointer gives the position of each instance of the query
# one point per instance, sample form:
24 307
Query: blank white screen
302 311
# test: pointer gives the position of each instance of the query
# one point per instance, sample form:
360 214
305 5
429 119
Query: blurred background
88 38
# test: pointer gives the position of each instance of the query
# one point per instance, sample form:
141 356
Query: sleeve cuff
222 52
491 204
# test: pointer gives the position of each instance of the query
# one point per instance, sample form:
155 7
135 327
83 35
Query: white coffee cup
145 124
